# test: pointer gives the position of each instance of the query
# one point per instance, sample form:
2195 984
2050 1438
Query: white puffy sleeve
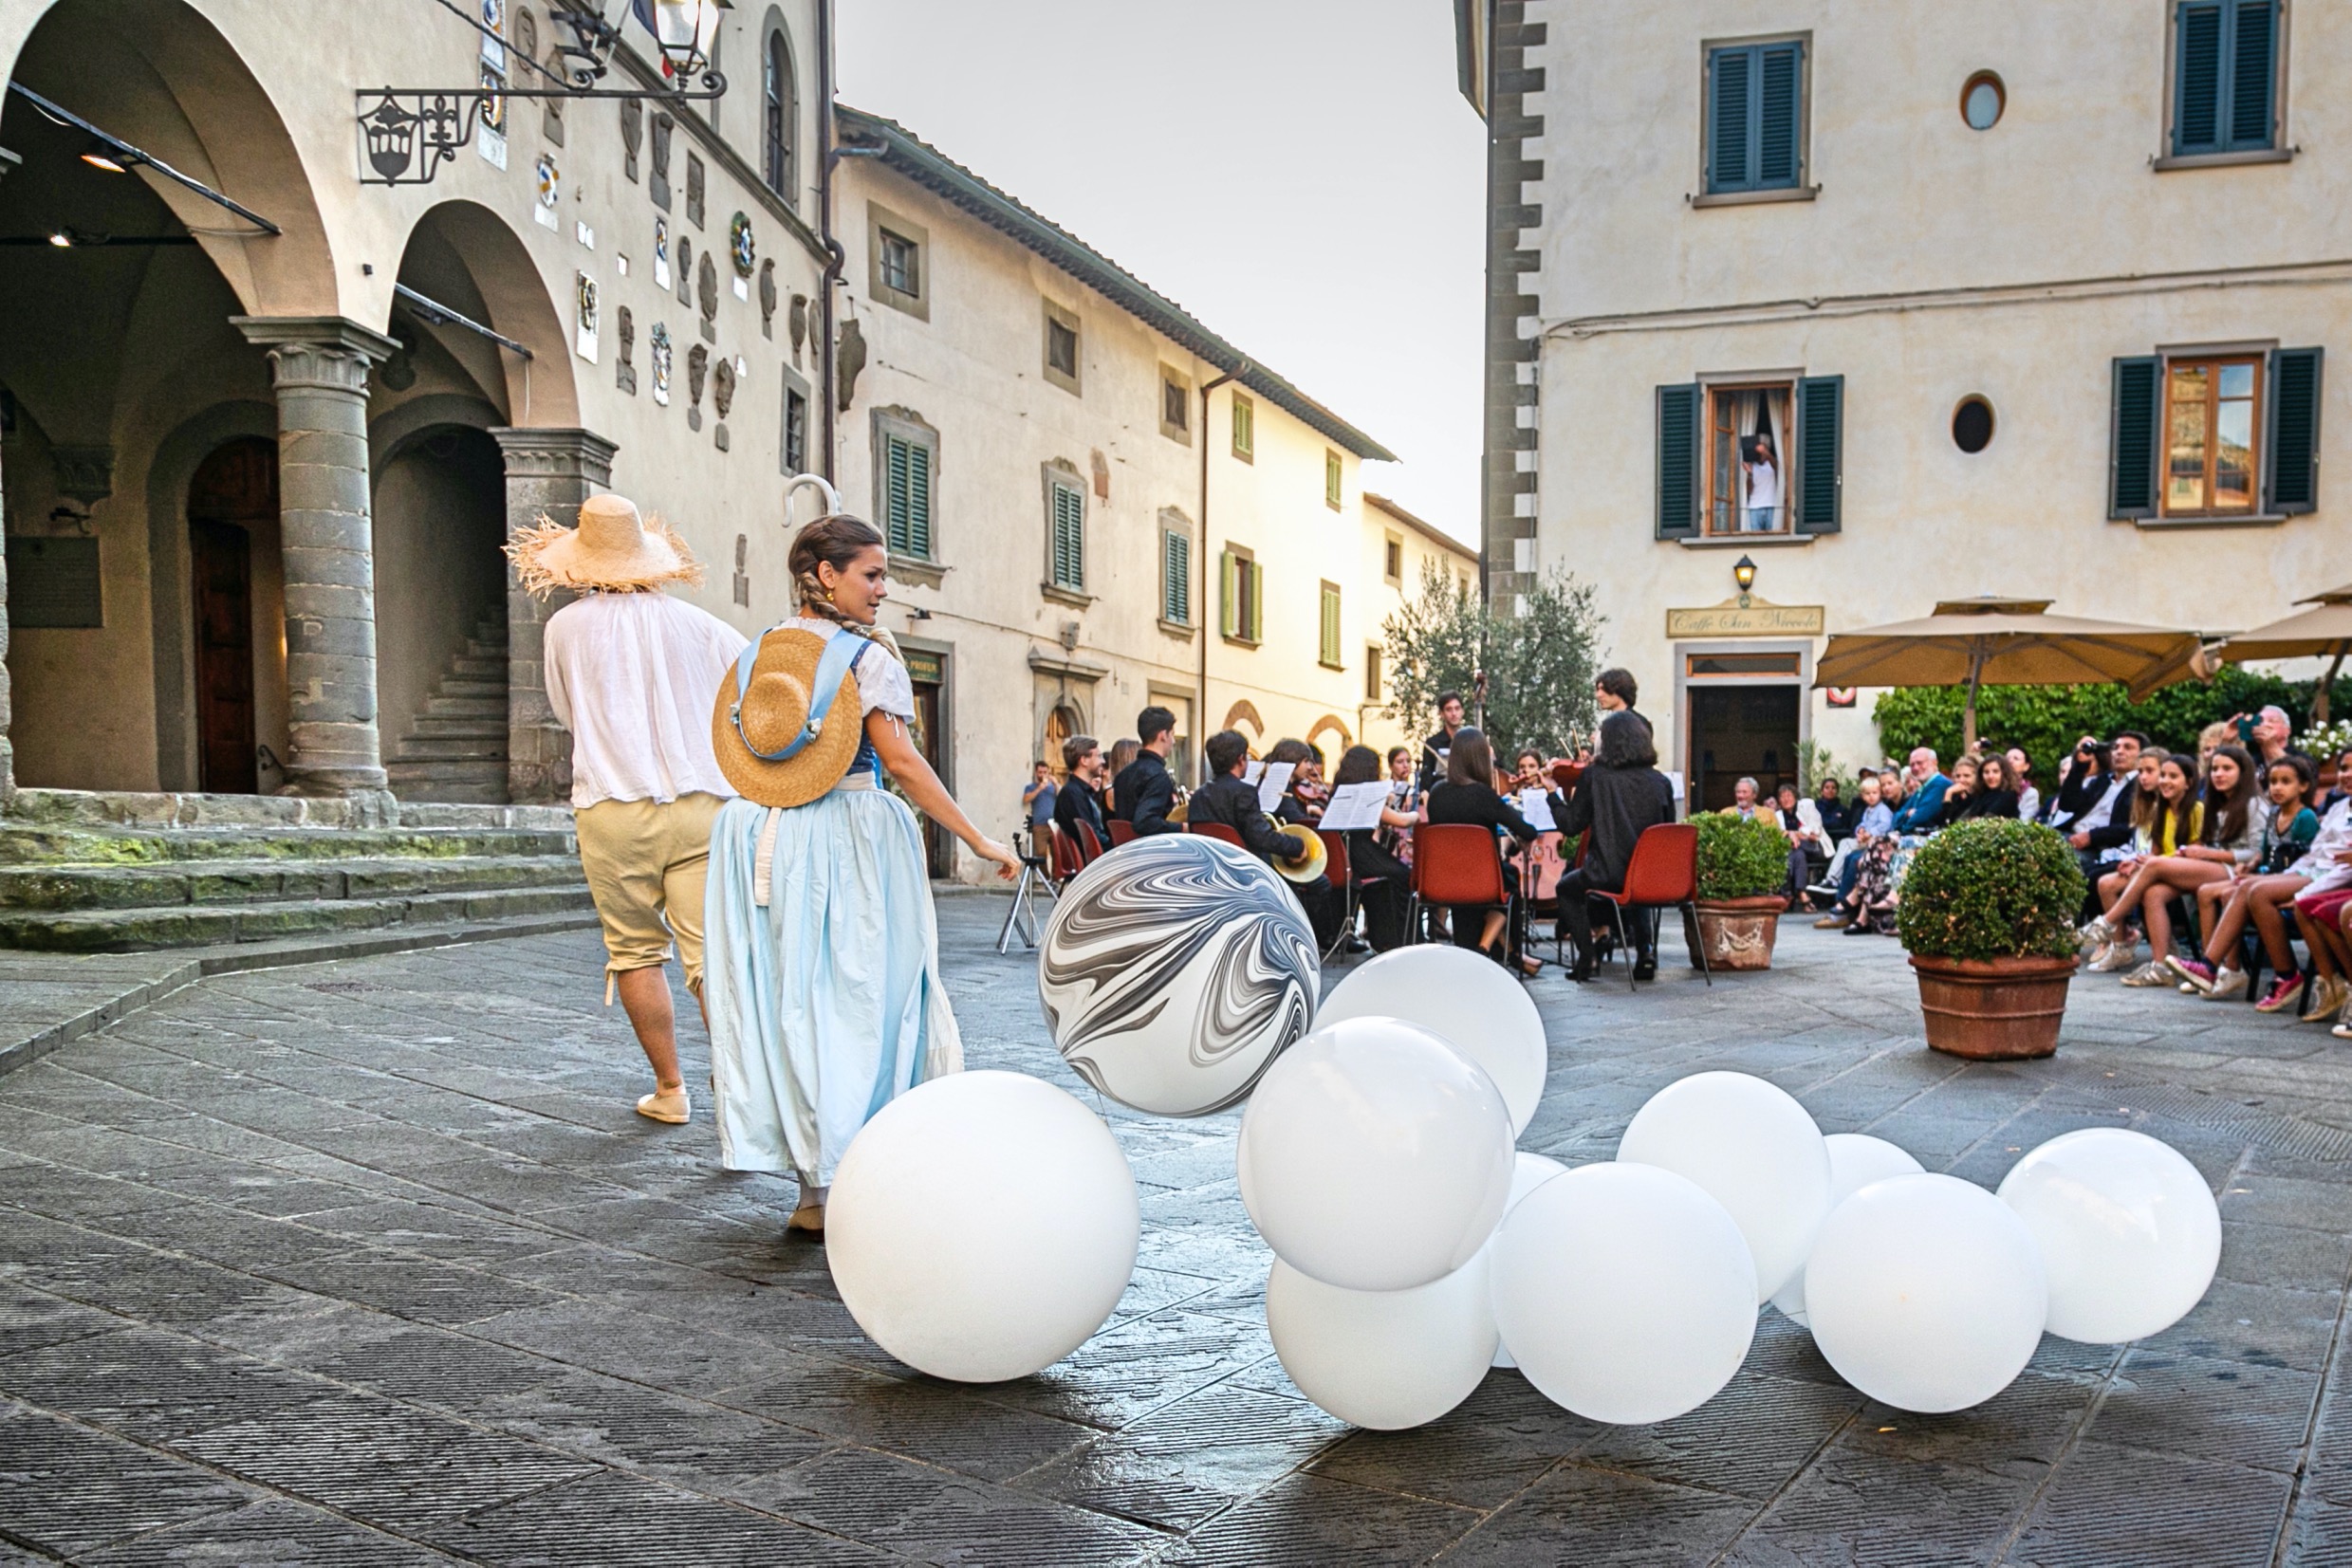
883 683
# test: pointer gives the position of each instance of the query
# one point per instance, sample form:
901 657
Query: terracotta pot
1739 933
1994 1009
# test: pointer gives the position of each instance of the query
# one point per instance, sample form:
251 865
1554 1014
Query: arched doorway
441 615
1061 724
232 497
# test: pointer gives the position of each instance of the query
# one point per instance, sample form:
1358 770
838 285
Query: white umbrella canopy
2325 630
1996 641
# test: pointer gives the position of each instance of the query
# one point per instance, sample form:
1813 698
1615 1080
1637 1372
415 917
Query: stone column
319 365
549 474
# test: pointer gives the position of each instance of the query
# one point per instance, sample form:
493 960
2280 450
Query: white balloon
1383 1359
1375 1156
1754 1150
1625 1291
1173 970
1855 1162
2128 1230
1528 1172
982 1225
1466 1000
1926 1293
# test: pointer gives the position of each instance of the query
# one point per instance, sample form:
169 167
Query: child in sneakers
2223 907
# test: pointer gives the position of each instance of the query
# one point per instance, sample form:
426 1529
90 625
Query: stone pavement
369 1262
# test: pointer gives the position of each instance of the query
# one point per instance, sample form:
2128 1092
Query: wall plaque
1754 619
53 584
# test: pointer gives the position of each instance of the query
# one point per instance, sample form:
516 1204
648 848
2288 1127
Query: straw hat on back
613 549
780 740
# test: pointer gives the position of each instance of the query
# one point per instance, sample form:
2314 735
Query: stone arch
462 255
1330 724
1245 715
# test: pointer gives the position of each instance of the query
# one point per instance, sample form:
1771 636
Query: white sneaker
2149 974
2117 957
2093 934
2226 984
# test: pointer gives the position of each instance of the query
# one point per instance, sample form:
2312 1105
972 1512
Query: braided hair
835 540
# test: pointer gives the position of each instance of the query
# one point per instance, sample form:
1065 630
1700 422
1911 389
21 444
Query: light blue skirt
825 1004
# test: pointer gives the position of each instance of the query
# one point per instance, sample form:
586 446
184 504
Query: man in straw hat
629 672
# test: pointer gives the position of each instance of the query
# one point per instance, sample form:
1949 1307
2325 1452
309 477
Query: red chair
1455 863
1218 831
1068 856
1089 847
1122 831
1662 874
1336 874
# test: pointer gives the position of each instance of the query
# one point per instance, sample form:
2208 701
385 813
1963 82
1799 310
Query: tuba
1304 858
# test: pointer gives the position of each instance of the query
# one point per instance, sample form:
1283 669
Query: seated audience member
2020 773
1808 843
2341 788
1836 815
1079 804
1467 796
1122 753
2224 838
1383 882
2210 740
1746 800
1923 794
1995 794
1144 791
1870 801
2288 829
1230 801
1956 794
2115 945
2103 826
1621 795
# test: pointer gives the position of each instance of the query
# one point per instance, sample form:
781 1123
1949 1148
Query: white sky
1299 175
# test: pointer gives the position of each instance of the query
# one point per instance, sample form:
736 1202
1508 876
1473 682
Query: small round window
1971 425
1982 101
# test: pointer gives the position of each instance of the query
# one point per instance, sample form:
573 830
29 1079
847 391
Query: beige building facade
1900 305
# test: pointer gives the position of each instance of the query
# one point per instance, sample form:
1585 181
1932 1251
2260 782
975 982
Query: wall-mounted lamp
1744 573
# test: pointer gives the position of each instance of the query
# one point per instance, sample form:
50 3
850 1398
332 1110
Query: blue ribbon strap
843 651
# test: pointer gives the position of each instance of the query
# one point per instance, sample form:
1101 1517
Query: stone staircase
456 751
82 871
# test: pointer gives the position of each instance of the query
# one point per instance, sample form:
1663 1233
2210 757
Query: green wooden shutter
1677 462
2252 73
1329 651
2291 458
1331 479
2197 101
896 482
2135 440
1730 97
1229 601
1069 536
1176 570
1257 602
1820 478
918 501
1779 78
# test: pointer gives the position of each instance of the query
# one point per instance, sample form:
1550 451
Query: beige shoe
1830 922
808 1217
2115 958
669 1105
2324 995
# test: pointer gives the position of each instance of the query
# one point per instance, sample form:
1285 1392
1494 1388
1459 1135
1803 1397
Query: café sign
1747 616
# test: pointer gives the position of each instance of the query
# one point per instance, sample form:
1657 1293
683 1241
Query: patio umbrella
2322 632
1996 641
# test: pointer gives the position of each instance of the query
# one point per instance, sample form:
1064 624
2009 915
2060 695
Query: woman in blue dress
822 971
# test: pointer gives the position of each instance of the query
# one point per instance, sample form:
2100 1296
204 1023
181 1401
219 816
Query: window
1750 457
909 460
1240 615
2224 77
1393 562
1061 347
2224 434
776 117
1971 425
1331 479
1755 117
1372 671
1065 525
795 431
1175 405
1327 652
1982 101
1176 576
1245 429
898 267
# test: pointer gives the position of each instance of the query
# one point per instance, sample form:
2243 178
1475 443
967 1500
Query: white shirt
634 677
2103 812
2335 837
1763 485
883 681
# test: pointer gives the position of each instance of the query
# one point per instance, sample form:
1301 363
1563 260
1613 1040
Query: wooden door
236 486
937 841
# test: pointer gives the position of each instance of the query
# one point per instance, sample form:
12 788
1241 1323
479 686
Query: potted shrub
1743 870
1987 914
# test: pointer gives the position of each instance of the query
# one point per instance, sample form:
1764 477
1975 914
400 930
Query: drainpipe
835 257
1201 611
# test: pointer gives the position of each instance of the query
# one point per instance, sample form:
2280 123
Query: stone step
61 888
479 667
138 929
484 647
455 748
114 811
455 686
438 706
28 844
450 782
472 726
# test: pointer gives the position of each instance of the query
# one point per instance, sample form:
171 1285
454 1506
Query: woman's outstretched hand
1008 863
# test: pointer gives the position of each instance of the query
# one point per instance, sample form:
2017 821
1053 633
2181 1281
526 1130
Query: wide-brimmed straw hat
613 549
780 741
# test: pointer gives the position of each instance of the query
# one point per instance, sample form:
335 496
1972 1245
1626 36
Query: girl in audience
2115 944
2028 797
1965 771
1122 753
1997 789
2225 838
2340 789
2288 830
2259 898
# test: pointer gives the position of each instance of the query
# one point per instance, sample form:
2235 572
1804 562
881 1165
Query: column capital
331 353
555 452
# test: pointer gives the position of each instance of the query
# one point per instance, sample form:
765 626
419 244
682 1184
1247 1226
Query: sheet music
1356 806
1674 782
1272 782
1536 808
1250 769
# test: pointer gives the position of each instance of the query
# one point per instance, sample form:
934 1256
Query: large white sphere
1926 1293
1855 1161
1625 1291
1375 1156
1383 1359
1466 1000
1754 1150
982 1225
1173 971
1528 1172
2128 1230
